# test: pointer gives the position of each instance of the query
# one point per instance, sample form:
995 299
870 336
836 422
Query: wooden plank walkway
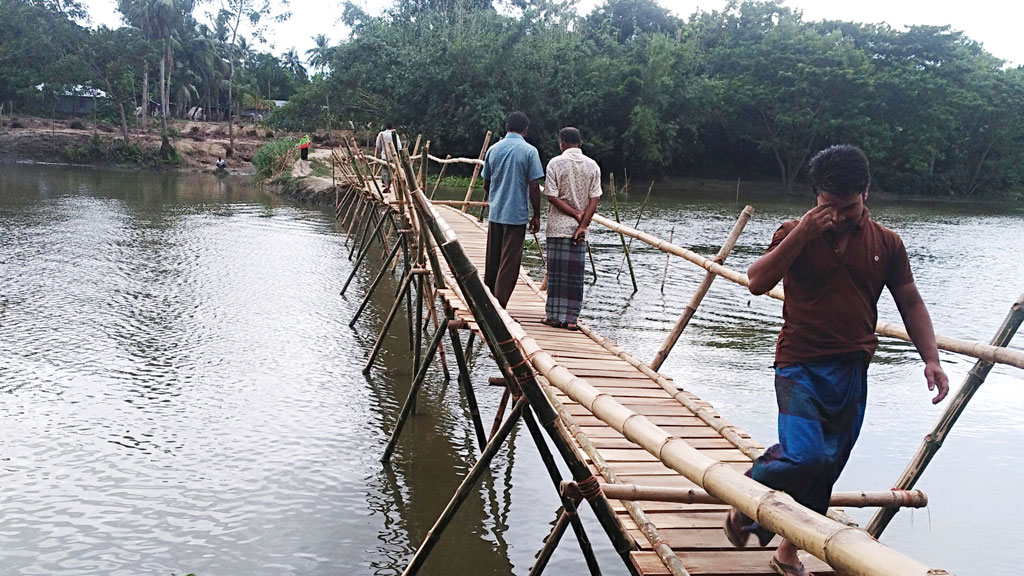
694 531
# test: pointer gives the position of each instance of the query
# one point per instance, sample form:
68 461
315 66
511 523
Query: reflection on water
180 391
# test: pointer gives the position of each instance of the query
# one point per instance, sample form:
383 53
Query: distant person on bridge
512 173
573 188
833 263
383 151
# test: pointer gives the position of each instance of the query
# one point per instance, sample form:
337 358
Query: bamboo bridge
655 464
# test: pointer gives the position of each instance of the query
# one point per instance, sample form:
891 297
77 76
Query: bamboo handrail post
476 169
362 256
440 175
464 490
370 171
668 259
567 502
702 290
410 401
423 166
933 441
351 157
625 248
465 382
376 281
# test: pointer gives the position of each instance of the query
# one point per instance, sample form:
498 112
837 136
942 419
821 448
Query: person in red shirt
833 264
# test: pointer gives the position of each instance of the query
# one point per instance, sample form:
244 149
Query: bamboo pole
376 281
476 169
440 175
410 401
639 216
705 285
933 441
402 291
625 248
977 350
661 548
481 466
567 502
668 259
464 381
371 213
362 255
888 499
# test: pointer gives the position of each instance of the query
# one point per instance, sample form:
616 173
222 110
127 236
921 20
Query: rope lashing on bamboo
978 350
590 488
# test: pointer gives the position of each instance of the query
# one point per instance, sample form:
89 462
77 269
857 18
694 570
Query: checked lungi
566 265
821 408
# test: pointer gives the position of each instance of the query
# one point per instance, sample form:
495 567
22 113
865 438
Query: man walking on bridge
833 263
573 188
512 173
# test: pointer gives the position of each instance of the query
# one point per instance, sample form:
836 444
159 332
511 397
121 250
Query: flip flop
783 569
734 531
553 323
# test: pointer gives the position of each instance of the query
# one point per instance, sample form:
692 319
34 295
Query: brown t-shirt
831 298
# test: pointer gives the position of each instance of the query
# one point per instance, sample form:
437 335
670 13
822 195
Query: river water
180 391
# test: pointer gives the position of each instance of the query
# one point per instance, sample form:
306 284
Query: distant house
262 113
75 100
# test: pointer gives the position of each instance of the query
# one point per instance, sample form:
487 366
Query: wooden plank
690 539
736 562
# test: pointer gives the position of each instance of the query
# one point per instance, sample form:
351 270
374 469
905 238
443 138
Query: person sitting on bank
573 189
221 164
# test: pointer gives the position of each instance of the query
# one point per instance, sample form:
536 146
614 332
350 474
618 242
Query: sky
994 23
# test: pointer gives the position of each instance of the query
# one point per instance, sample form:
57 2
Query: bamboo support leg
362 256
410 401
481 466
625 248
371 217
593 269
567 502
705 285
933 441
373 285
419 322
500 413
668 260
467 385
360 208
469 344
550 543
403 291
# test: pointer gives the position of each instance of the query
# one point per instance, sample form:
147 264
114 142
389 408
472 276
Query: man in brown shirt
833 263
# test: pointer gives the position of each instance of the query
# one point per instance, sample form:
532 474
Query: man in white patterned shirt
573 186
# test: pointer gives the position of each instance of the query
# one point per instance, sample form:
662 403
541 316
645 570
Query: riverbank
199 145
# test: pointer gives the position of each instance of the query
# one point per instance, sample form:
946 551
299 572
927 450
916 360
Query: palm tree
320 56
293 64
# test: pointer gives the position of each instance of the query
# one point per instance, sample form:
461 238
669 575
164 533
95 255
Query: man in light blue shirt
512 173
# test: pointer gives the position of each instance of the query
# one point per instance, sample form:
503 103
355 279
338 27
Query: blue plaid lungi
821 408
566 266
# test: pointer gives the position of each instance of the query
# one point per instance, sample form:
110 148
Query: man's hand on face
817 221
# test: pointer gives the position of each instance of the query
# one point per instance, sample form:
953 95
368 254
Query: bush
273 157
76 125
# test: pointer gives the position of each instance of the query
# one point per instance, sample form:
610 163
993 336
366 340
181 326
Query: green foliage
273 157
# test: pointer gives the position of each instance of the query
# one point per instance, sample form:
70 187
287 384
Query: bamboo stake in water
440 175
625 248
668 258
476 169
639 215
705 284
933 441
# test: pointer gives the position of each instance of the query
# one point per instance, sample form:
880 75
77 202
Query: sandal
553 323
783 569
572 327
734 531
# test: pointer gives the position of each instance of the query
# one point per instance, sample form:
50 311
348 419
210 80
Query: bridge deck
694 531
